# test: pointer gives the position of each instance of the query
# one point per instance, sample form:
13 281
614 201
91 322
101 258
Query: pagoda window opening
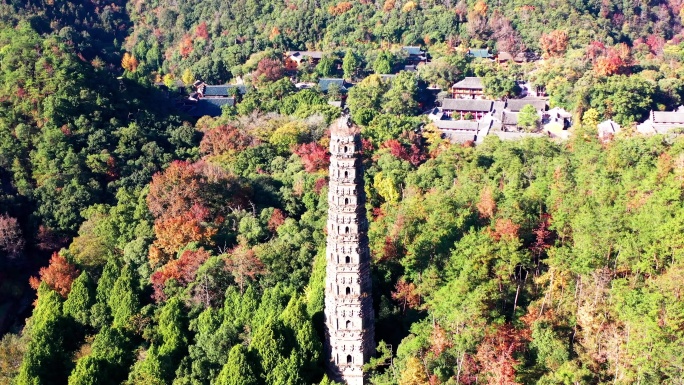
348 290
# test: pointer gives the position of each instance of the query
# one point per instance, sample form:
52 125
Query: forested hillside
141 246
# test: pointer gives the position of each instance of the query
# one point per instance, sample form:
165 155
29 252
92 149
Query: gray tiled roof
460 137
458 125
510 119
470 83
467 105
479 53
504 56
498 109
413 51
668 117
324 84
223 90
210 106
516 105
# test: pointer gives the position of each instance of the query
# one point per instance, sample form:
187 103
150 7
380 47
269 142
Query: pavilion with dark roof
468 88
459 108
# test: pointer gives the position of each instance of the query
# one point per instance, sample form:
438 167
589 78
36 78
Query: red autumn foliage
496 354
244 265
395 148
314 156
111 173
543 236
412 154
391 250
183 185
201 31
48 240
416 155
269 70
655 43
320 183
224 139
58 275
11 240
276 219
469 370
183 270
595 49
406 293
366 146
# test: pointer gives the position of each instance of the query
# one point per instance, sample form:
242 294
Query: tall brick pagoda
349 318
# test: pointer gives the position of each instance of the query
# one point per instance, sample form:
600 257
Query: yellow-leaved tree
129 62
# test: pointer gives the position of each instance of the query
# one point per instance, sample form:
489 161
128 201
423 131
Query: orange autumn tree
505 229
185 47
58 275
554 43
175 190
183 270
406 293
188 201
224 140
176 232
496 354
340 8
613 62
480 8
487 205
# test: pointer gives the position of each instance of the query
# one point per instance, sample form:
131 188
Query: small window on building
346 229
348 325
348 290
346 174
346 201
349 358
345 148
347 259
